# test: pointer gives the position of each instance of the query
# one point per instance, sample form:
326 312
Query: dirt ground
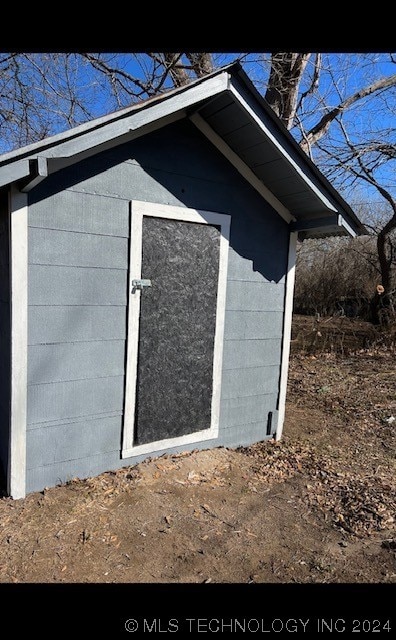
317 507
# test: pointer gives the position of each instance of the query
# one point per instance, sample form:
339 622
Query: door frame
139 209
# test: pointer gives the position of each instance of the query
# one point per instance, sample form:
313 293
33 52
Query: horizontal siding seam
100 195
94 306
270 393
264 366
260 282
254 310
49 424
272 283
33 426
55 464
40 384
48 344
255 339
177 173
84 233
74 266
226 429
44 344
253 395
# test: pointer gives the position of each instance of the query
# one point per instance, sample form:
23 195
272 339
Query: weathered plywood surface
177 329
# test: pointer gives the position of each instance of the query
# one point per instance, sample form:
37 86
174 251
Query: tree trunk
176 71
286 72
381 305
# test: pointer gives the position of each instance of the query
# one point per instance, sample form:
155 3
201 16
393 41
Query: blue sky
373 118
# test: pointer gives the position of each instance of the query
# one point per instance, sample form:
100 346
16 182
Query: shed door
176 315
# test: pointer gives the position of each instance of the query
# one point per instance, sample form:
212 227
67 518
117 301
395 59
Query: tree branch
319 130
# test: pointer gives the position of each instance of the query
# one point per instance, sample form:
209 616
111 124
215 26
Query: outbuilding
146 281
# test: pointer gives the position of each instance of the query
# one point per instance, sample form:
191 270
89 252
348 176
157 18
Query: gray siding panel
239 354
76 323
239 383
86 213
246 434
242 412
244 269
253 325
76 286
78 309
254 296
59 443
75 361
51 475
53 247
61 400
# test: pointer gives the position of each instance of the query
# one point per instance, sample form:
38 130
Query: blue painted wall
78 244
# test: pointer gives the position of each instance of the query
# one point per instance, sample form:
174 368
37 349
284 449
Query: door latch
139 285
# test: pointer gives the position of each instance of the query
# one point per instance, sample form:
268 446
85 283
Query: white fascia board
14 171
281 149
347 227
141 118
69 148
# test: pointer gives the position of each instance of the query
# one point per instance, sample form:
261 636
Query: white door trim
138 210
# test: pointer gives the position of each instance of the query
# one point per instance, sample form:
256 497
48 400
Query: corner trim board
287 322
138 210
16 480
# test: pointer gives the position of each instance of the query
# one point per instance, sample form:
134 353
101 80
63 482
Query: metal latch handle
139 285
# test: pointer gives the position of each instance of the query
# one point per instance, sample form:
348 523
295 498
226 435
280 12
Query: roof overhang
230 112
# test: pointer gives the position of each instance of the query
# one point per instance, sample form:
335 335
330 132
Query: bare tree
340 107
318 101
41 94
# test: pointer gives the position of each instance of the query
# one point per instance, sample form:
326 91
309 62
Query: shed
146 281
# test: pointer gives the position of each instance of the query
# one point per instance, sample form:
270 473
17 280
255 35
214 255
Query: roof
231 113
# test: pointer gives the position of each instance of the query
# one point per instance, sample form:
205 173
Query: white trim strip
138 210
287 322
212 85
347 227
240 166
19 319
278 146
140 118
61 162
135 271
